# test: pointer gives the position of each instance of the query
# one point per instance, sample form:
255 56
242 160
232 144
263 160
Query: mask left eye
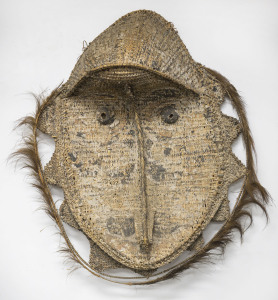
169 115
105 116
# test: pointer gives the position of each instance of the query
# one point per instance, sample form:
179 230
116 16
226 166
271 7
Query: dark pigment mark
97 162
157 172
129 143
128 171
80 134
167 151
78 165
208 114
199 160
121 226
149 143
72 156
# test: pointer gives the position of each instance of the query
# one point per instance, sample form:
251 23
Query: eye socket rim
169 115
105 116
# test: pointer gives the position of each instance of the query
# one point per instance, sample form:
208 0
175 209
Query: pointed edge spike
231 127
67 216
100 260
50 170
230 174
44 124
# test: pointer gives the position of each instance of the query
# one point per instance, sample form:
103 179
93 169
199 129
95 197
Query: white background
40 44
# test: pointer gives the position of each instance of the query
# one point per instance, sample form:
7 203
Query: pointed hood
142 39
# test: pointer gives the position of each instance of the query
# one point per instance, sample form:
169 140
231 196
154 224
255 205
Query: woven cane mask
143 152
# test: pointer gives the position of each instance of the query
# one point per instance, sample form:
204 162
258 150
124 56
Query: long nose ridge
144 219
144 229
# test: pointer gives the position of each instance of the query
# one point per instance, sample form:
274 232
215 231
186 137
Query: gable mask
143 153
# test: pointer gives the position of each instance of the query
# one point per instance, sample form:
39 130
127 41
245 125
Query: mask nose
144 219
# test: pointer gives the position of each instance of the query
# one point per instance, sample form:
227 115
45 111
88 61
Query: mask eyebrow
166 92
103 95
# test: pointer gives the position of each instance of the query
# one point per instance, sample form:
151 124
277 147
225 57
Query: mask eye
105 116
169 115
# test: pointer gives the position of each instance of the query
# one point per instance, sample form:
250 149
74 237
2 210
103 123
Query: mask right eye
105 116
169 115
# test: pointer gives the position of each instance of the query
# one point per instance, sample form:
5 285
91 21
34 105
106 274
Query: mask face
143 152
144 164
